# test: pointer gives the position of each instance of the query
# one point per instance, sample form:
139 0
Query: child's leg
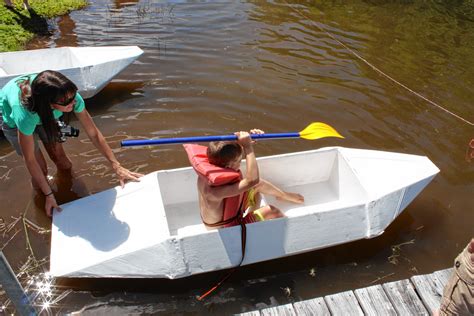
269 212
266 187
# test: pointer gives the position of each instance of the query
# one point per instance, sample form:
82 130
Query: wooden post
12 287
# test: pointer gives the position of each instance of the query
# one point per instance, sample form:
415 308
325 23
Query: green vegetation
18 25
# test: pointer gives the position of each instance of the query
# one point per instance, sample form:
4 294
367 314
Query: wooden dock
419 295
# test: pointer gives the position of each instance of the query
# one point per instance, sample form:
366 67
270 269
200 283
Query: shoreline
18 25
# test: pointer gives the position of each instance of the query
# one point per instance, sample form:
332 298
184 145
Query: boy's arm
250 180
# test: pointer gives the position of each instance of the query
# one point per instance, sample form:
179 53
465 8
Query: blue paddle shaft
200 139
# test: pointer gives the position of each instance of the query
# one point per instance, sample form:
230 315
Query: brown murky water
214 68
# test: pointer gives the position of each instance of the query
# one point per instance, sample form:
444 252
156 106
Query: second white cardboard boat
90 68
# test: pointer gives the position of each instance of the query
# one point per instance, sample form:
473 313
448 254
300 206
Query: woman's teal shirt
14 112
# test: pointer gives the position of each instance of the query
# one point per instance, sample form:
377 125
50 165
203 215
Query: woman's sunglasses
66 102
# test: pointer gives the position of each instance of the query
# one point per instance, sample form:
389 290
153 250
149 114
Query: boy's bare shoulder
204 188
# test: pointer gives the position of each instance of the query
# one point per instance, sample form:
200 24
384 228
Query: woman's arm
28 149
99 142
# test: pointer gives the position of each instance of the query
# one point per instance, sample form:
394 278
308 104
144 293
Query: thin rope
377 69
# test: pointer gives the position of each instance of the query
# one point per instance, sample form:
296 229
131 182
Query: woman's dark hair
222 153
48 87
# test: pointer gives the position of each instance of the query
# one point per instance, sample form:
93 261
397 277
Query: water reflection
124 3
115 93
66 35
470 151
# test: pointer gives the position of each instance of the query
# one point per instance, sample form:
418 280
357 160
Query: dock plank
344 303
430 287
418 296
374 301
444 275
404 298
252 313
282 310
315 306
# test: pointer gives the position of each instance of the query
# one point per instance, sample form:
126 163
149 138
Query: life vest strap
222 223
239 213
243 238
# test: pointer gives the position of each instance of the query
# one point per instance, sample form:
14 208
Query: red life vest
217 176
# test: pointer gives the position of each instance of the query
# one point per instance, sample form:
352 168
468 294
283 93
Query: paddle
311 132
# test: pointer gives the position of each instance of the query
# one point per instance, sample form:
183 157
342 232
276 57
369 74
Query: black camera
66 131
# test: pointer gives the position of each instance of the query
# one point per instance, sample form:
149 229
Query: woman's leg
58 155
41 161
266 187
11 134
69 186
55 150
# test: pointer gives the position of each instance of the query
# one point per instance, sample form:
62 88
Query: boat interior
324 178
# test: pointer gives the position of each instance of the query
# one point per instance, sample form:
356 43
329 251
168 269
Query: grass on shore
18 26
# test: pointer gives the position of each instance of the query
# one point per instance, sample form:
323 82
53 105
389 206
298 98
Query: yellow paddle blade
319 130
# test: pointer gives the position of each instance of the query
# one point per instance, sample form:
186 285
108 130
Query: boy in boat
226 197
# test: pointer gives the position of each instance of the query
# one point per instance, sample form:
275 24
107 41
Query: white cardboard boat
152 229
90 68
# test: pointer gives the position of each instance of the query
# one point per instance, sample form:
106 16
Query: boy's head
225 154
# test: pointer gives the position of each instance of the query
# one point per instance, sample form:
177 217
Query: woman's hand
99 142
49 204
125 174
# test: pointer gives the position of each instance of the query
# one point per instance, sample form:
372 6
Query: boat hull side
382 212
95 78
76 63
164 260
274 239
412 192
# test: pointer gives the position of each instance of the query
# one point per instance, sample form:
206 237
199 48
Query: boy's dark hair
222 153
48 87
